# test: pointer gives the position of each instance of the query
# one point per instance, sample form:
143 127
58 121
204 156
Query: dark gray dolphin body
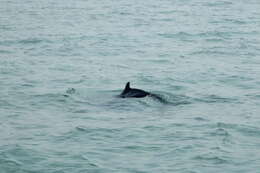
133 92
138 93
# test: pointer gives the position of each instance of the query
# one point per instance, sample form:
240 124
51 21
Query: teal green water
62 63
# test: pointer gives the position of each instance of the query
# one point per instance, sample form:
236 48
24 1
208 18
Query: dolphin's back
136 93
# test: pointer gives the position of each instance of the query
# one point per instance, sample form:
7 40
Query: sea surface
63 63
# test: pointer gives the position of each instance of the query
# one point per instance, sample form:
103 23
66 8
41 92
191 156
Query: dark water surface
62 63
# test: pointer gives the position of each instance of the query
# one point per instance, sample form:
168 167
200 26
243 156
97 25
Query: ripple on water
201 119
211 158
28 41
220 132
18 157
216 99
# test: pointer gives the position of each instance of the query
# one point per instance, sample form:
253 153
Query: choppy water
202 56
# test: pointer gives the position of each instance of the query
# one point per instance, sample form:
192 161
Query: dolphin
138 93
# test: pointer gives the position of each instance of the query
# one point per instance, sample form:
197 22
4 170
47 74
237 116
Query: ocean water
62 64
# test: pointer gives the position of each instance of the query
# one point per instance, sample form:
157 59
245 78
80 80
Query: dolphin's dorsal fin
127 86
